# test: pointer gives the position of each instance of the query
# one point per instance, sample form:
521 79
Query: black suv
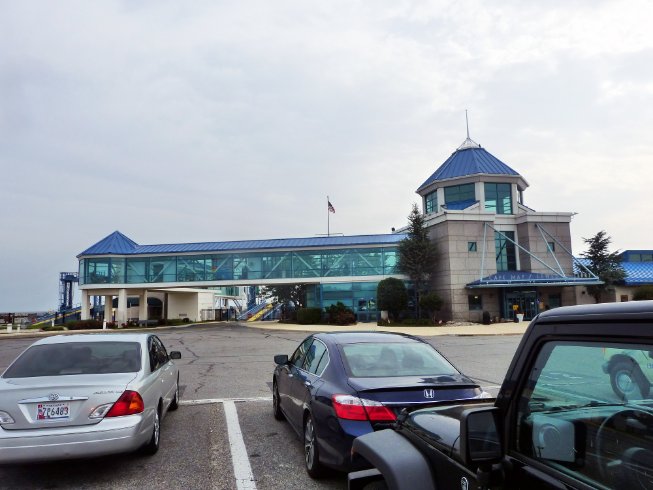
557 422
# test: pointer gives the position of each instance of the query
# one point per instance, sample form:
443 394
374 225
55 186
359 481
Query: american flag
330 207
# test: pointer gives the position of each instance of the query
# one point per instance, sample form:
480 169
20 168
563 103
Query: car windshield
383 359
76 358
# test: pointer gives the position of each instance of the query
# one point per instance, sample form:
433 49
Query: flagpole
328 217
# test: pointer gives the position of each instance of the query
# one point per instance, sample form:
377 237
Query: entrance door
526 301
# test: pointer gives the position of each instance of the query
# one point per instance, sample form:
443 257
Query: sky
178 122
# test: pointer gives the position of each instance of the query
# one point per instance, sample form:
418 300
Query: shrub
643 293
308 316
339 314
432 303
84 325
53 328
391 295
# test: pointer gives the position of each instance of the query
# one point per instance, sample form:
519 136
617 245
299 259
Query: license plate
52 411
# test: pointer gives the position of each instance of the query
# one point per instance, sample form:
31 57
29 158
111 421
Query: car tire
174 404
311 451
376 485
276 403
153 446
627 381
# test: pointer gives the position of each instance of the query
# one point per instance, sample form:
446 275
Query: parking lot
224 435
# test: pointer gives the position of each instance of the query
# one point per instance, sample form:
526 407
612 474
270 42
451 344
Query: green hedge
309 316
83 325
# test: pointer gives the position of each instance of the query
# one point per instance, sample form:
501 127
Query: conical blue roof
116 243
469 159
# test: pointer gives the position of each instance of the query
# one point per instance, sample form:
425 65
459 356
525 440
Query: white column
108 308
121 314
86 311
142 309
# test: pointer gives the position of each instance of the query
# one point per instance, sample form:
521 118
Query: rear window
370 360
76 358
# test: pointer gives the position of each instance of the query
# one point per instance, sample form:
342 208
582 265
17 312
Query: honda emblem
429 393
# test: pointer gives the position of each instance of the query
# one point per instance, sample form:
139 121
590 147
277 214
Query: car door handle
308 383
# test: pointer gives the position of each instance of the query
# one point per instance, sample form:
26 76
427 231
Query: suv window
316 358
298 356
584 412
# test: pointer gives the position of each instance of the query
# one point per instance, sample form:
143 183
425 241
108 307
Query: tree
432 303
606 265
391 295
288 293
418 256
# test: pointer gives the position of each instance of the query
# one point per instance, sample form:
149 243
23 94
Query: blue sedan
338 386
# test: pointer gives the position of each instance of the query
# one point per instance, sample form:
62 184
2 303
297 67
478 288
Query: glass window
162 269
584 412
367 262
498 197
635 258
306 264
97 271
389 260
475 302
64 359
647 257
371 359
314 355
191 268
431 202
136 270
505 251
471 247
219 267
117 271
551 246
456 193
298 356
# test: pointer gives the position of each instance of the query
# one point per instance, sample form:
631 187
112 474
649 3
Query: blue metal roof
116 243
469 161
119 244
638 273
521 278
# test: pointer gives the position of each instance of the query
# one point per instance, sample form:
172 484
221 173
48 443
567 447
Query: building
179 280
496 254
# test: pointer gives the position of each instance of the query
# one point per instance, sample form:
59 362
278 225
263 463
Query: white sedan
74 396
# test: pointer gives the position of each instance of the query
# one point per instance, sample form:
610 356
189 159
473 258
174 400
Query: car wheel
311 451
174 404
628 381
276 401
153 446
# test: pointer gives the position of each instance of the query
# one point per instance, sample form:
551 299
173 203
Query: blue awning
520 278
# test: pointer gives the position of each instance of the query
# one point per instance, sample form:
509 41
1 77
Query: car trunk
46 402
400 392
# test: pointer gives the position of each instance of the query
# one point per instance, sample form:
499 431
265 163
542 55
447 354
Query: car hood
22 397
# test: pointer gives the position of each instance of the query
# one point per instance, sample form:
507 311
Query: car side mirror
281 359
175 354
480 436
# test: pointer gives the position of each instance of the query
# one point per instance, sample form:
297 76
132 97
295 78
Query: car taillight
354 408
129 403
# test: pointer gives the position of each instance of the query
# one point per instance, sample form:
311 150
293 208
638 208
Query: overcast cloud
209 121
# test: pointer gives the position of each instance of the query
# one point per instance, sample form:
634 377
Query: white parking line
239 458
207 401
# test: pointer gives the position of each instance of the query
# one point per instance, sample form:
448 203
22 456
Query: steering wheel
624 439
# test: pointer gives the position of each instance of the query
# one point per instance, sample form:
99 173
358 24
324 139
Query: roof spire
468 143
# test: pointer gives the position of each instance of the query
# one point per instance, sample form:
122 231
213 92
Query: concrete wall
189 304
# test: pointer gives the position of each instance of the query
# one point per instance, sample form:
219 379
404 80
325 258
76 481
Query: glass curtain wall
253 266
457 193
431 202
